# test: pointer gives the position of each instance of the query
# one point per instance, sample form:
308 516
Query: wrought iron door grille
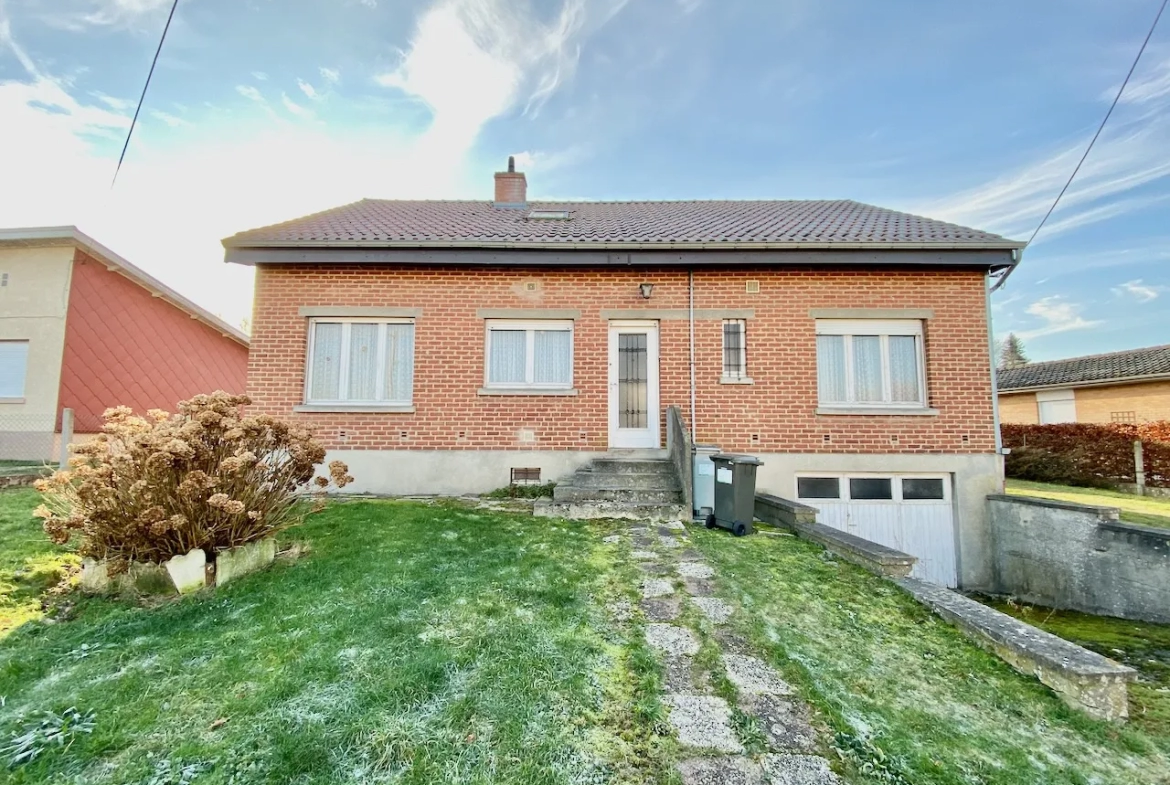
632 380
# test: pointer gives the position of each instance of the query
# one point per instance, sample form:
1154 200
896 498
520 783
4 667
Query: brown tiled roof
1094 369
836 223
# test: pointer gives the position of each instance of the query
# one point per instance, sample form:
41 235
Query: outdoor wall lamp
646 289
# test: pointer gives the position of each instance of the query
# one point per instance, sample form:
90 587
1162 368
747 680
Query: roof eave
1006 245
71 235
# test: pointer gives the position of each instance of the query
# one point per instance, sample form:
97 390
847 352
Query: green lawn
1146 510
412 644
1140 645
906 693
29 563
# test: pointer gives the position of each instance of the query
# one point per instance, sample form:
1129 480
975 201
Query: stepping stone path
702 720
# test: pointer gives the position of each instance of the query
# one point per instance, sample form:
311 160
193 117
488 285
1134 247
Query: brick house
435 346
83 329
1132 386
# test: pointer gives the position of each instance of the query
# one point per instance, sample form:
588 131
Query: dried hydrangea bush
149 488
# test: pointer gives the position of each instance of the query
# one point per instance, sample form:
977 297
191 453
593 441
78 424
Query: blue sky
263 110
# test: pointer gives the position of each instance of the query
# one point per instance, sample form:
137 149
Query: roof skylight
549 215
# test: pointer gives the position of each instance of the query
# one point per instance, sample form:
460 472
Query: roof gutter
71 235
546 245
1017 256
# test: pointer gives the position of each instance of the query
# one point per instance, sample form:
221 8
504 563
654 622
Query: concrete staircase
641 486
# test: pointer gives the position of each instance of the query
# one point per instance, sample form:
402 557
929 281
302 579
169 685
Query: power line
1101 127
149 74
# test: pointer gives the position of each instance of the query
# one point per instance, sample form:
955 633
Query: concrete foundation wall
450 472
973 476
1080 558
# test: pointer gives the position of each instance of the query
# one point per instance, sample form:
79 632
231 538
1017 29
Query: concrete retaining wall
1079 557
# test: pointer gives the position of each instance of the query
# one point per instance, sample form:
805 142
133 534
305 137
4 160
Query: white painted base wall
450 472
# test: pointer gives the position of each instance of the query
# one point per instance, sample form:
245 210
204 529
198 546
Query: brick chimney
511 187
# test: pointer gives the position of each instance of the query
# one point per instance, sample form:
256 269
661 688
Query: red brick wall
779 407
124 346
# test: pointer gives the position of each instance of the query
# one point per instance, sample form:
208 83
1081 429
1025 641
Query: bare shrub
149 488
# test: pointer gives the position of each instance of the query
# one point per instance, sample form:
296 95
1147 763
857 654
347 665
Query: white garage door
909 512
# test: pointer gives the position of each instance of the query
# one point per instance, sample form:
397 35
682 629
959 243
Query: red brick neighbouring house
84 330
435 346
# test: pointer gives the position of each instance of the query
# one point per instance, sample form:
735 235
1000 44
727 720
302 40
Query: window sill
878 410
523 391
735 380
326 408
11 400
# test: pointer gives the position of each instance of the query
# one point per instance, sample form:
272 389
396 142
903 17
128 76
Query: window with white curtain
533 354
362 361
870 363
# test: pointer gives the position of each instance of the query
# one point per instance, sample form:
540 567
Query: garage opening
910 512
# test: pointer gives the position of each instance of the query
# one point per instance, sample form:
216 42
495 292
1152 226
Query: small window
538 355
360 361
871 488
549 215
922 489
870 363
1123 417
818 487
526 476
13 368
734 349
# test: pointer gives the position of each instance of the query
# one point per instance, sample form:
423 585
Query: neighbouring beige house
1123 387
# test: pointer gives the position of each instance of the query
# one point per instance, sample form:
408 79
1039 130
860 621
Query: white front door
633 385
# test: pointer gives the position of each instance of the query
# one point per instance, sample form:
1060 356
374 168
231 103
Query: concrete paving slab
798 770
644 555
753 676
785 722
682 677
697 587
673 640
695 569
656 587
727 770
716 610
702 722
662 609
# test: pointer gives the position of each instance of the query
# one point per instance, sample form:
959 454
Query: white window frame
740 374
19 397
895 487
530 327
883 329
343 379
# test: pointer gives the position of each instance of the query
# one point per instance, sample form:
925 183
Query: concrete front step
569 493
587 510
631 466
649 482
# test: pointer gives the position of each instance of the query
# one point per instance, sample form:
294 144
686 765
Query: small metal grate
526 476
1123 417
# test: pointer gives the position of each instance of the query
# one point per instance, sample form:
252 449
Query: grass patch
23 467
1141 645
416 643
541 491
907 697
1146 510
30 565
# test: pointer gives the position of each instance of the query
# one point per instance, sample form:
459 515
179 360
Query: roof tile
391 222
1150 361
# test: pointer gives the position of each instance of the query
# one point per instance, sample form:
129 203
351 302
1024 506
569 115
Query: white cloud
171 120
473 60
1148 86
260 76
308 89
330 75
250 92
300 111
80 14
1057 316
1139 290
117 104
